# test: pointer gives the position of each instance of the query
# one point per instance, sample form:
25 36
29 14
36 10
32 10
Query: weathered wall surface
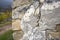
19 8
33 24
37 23
17 3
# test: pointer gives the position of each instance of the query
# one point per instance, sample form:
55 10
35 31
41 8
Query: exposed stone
36 20
50 15
17 3
34 25
19 11
58 27
53 35
36 35
30 25
17 35
16 25
30 19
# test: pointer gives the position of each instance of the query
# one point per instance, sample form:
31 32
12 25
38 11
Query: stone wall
36 21
17 3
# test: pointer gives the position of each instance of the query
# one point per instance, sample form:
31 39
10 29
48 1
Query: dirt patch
5 28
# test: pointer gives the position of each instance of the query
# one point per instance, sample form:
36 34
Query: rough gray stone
34 25
29 25
35 34
26 22
50 16
17 3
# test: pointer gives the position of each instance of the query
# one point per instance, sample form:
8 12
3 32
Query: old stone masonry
39 18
